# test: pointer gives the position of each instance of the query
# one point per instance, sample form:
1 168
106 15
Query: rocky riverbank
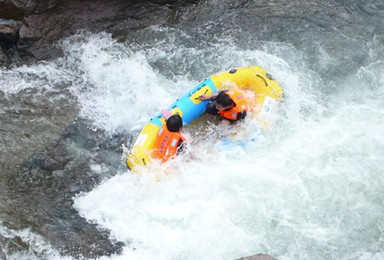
30 29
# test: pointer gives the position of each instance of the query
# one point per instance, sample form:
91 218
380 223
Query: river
311 188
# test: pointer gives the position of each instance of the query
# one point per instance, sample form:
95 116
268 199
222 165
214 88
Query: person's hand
166 113
225 122
203 97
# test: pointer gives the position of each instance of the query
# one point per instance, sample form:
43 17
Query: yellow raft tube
267 95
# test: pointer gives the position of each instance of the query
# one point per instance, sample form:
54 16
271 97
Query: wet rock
4 60
258 257
11 245
9 30
10 10
2 255
40 192
16 9
47 21
9 35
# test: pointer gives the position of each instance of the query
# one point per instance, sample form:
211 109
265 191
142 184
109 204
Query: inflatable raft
267 95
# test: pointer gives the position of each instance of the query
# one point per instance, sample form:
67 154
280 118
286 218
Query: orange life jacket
241 104
166 144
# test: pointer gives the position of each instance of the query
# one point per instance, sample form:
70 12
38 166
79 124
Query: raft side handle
205 92
266 83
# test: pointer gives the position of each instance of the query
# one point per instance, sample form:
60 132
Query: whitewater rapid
311 188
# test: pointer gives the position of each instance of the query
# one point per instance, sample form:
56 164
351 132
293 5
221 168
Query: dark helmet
223 99
174 123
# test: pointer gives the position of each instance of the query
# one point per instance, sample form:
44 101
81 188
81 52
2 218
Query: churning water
311 188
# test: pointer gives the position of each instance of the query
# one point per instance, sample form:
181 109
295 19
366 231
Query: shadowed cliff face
42 23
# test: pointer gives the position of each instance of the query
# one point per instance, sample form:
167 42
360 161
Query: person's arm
181 147
206 97
212 96
241 116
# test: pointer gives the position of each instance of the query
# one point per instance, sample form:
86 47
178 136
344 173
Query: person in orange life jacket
169 142
230 105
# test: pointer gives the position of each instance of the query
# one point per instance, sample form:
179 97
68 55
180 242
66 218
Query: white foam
119 91
303 192
42 76
38 247
309 189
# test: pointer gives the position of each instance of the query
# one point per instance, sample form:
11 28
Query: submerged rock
258 257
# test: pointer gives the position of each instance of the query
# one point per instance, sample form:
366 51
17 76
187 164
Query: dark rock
8 10
4 60
40 192
16 9
47 21
258 257
9 35
9 30
2 255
